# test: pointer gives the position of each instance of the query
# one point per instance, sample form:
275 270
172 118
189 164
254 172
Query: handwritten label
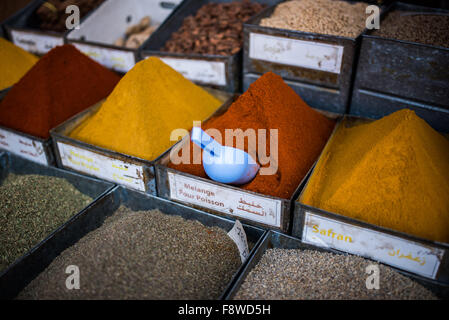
204 71
35 43
25 147
238 234
118 60
103 167
392 250
298 53
229 201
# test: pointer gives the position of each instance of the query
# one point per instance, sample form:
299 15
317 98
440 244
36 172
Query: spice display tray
23 270
120 168
220 72
424 258
393 74
274 239
222 199
302 57
23 31
97 42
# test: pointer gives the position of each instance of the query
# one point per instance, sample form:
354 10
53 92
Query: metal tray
394 74
369 240
26 268
98 43
278 240
104 207
220 72
120 168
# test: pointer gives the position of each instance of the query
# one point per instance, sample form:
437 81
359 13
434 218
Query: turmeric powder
14 63
148 103
393 172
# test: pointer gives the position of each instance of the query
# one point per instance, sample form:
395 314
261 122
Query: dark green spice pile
305 274
424 28
143 255
31 207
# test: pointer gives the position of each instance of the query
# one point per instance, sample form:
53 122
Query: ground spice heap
14 63
143 255
292 274
268 104
393 172
61 84
149 102
52 13
217 28
426 28
31 207
332 17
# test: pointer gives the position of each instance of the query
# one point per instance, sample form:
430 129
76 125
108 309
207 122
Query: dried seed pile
217 28
143 255
332 17
415 27
305 274
31 207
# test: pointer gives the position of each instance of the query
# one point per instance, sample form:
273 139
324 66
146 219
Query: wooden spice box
220 72
424 258
273 239
97 42
26 268
120 168
394 74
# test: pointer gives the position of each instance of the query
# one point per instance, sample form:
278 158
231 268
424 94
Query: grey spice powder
143 255
31 207
295 274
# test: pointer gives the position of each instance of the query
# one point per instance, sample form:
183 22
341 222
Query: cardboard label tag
298 53
204 71
118 60
392 250
235 203
35 43
238 234
103 167
25 147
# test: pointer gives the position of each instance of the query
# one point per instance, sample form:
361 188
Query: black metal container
104 207
319 67
97 41
422 257
394 74
26 268
273 239
221 72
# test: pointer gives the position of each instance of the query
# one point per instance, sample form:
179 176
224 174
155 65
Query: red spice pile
268 104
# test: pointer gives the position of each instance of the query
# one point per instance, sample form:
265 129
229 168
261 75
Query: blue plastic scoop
224 164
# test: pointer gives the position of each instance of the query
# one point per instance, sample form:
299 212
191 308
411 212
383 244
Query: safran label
103 167
298 53
35 43
392 250
25 147
229 201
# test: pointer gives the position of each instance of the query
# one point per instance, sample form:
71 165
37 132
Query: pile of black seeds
293 274
31 207
143 255
431 29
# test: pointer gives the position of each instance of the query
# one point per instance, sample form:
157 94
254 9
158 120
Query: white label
103 167
204 71
395 251
229 201
35 43
238 234
119 60
298 53
25 147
